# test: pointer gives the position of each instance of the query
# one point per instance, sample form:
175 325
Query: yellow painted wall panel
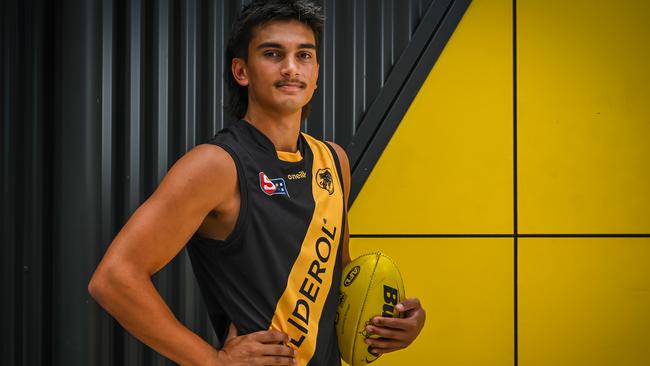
449 166
584 116
466 287
584 301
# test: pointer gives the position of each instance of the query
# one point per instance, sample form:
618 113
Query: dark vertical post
77 183
35 116
10 304
106 323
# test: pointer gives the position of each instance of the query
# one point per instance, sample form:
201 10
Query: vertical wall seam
107 173
515 182
163 89
135 60
190 18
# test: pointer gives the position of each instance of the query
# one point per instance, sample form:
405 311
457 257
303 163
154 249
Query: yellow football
371 285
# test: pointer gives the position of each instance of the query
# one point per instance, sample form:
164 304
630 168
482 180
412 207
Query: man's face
282 70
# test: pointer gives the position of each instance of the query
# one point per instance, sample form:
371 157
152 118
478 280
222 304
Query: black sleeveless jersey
280 268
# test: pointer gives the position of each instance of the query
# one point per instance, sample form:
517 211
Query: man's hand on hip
259 348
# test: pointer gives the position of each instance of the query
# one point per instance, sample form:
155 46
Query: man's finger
384 350
277 350
385 332
386 344
395 323
274 360
408 304
270 336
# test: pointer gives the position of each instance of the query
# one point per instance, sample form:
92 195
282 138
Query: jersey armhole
339 172
335 156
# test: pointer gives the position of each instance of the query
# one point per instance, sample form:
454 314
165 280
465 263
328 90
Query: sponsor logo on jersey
324 180
311 284
300 175
272 186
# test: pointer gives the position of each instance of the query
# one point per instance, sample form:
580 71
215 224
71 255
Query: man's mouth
290 85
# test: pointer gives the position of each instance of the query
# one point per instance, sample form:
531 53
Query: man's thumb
232 332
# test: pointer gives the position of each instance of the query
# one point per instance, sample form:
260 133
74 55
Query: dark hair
253 15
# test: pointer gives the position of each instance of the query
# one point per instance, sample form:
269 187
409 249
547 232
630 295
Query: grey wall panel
11 337
105 348
99 99
35 299
76 183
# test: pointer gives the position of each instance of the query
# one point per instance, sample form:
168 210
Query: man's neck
281 129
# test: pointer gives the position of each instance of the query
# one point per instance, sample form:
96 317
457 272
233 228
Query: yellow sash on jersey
299 309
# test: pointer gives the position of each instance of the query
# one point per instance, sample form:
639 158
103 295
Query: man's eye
305 56
272 54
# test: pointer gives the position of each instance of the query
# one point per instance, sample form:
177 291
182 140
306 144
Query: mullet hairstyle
252 16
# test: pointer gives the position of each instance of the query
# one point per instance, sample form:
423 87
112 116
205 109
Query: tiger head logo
325 181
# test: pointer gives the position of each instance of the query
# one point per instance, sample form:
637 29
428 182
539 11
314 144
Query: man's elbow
105 284
110 282
99 287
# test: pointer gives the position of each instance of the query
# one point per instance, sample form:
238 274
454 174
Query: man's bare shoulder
345 167
205 172
209 154
207 160
340 152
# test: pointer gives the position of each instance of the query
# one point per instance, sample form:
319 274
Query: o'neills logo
324 180
351 276
310 288
300 175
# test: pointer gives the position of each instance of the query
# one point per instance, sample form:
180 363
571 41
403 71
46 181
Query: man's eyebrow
269 45
277 45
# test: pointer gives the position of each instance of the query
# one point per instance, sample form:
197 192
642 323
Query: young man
263 211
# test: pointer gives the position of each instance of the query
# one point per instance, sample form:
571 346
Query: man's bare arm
154 234
198 183
396 333
345 167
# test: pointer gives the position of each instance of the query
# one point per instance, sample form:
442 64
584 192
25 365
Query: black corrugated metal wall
99 98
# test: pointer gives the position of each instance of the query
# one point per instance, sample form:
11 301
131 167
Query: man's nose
289 67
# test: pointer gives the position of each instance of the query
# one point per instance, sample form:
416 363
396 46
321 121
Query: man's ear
238 68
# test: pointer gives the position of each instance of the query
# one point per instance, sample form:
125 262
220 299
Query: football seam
401 279
365 297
